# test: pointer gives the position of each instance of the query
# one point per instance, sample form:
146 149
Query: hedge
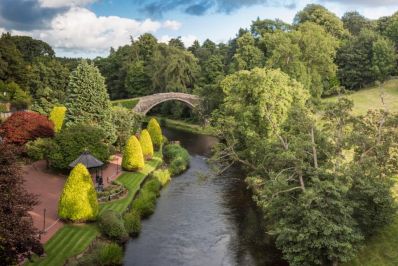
78 201
133 159
156 133
146 144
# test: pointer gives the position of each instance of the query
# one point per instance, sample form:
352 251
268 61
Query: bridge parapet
146 103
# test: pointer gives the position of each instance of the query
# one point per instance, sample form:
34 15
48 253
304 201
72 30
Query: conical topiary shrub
146 144
133 158
57 116
78 201
156 133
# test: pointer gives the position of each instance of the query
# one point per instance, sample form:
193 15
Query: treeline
323 52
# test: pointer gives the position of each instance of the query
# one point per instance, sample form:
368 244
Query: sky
88 28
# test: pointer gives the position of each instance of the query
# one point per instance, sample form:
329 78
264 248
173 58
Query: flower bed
113 192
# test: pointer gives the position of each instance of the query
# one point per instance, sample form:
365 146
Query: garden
96 217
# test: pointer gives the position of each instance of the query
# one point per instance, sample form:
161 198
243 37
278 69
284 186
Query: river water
201 219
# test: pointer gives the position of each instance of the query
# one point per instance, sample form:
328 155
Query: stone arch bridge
146 103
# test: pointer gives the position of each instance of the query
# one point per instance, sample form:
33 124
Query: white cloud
64 3
172 25
79 29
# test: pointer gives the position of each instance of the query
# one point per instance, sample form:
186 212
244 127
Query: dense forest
322 177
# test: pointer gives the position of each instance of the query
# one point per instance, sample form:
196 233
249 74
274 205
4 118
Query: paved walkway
48 186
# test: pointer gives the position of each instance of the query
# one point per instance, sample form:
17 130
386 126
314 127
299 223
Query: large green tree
87 99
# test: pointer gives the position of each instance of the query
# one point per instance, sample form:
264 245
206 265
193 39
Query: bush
110 254
39 149
78 201
146 145
133 159
156 133
163 176
153 186
145 203
177 158
71 142
132 222
22 127
111 225
57 116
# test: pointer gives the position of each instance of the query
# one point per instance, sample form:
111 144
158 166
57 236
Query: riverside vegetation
322 171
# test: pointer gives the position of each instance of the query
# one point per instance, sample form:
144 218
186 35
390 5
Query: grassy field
69 241
369 98
72 240
128 103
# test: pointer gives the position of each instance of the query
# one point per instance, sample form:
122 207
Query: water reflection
202 221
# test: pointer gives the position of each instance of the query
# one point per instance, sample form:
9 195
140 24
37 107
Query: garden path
48 186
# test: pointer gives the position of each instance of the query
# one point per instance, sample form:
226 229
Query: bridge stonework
146 103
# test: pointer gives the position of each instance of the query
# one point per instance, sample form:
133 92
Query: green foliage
155 132
146 144
355 22
145 203
57 116
86 82
383 59
12 93
78 201
247 56
111 225
177 158
133 158
138 81
323 17
163 176
126 103
73 141
132 222
110 254
40 148
153 186
126 122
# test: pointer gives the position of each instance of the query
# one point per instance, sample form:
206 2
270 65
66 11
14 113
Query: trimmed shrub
156 133
132 222
22 127
133 158
163 176
110 254
146 144
39 149
145 203
177 158
71 142
112 226
78 201
57 116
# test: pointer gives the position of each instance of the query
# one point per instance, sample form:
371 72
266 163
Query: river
202 219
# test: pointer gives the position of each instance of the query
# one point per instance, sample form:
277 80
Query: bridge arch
146 103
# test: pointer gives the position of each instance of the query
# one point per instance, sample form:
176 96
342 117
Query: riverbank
73 239
184 126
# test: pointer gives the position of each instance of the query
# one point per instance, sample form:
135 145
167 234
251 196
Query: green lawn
369 98
132 181
72 240
128 103
69 241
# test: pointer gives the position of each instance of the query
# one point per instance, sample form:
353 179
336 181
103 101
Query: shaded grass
72 240
380 249
127 103
369 98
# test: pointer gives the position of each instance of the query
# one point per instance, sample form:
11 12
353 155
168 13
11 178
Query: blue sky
88 28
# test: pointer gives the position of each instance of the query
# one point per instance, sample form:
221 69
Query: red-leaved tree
22 127
18 237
